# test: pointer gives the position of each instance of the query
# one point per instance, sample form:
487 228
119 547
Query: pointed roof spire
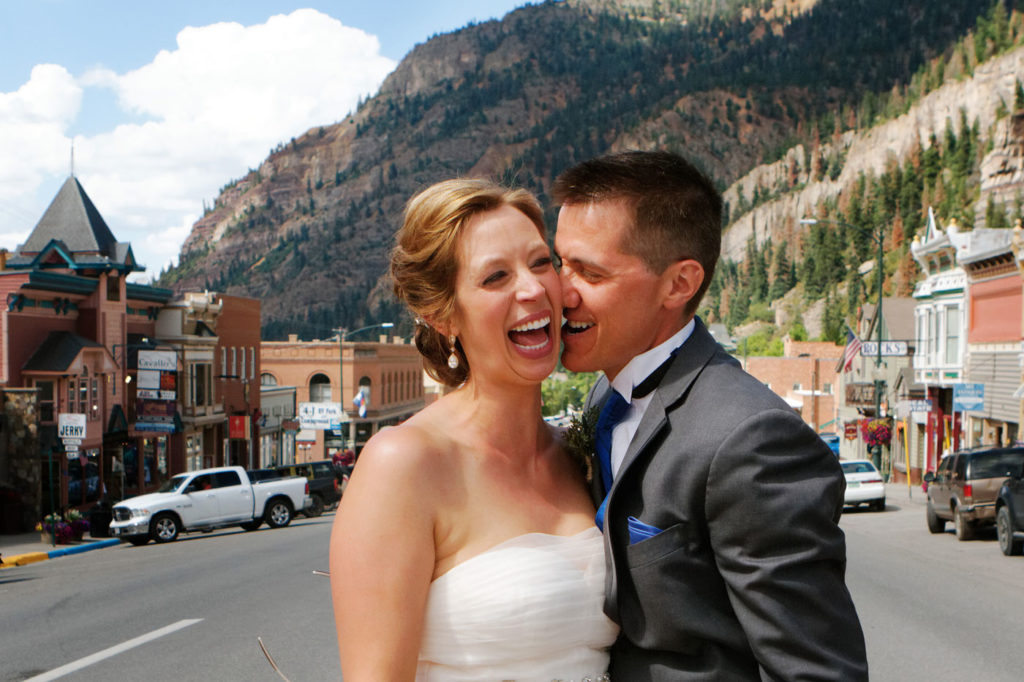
72 219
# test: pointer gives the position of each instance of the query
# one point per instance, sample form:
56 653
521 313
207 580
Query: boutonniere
580 439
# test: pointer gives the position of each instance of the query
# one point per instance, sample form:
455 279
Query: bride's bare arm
382 559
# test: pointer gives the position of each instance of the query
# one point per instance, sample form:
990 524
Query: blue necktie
611 414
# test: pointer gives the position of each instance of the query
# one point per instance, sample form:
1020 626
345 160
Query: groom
725 558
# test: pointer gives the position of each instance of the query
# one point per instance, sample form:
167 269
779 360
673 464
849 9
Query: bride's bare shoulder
414 448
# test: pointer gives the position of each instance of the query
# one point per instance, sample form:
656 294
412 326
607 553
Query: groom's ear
683 280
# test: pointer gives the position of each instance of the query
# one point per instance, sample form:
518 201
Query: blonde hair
424 261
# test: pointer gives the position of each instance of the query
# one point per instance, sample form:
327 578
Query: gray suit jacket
746 579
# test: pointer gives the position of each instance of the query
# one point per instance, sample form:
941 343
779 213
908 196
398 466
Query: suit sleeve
773 501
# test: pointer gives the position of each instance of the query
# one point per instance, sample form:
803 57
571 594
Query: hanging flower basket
877 432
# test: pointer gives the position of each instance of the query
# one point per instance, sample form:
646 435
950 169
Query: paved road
932 608
220 590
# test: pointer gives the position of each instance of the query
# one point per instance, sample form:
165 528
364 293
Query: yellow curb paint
24 559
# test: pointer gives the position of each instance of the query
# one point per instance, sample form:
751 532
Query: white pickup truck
207 499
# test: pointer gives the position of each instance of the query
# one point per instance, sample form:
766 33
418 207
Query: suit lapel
688 363
687 366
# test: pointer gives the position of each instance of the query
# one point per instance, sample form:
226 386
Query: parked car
1010 513
864 484
258 475
207 499
965 486
832 441
325 485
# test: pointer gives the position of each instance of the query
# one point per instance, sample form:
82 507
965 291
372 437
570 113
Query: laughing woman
465 547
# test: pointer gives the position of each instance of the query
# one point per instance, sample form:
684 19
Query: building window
797 387
922 337
252 362
320 389
267 380
241 374
826 388
933 337
952 335
201 384
113 288
45 401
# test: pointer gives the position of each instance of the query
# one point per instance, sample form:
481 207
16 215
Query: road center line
113 651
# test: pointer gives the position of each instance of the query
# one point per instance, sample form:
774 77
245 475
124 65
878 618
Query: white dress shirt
638 369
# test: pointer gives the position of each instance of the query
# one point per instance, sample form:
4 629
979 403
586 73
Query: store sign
860 394
70 425
238 427
160 360
968 397
319 416
869 349
906 407
850 430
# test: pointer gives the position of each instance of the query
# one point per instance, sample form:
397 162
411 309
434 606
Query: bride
465 546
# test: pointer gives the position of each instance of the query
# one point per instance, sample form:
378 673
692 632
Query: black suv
966 485
1010 513
325 487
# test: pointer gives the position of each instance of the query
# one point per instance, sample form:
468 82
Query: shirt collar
638 369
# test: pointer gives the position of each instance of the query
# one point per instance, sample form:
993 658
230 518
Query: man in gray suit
720 507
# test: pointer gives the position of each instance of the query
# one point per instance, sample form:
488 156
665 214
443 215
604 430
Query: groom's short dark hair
677 212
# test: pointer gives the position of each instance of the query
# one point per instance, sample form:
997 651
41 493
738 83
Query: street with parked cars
207 499
932 608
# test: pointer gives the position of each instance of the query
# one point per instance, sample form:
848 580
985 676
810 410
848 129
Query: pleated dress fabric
528 609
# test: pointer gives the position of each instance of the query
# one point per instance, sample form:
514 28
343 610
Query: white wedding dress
528 609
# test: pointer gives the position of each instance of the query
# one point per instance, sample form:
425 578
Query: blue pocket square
639 531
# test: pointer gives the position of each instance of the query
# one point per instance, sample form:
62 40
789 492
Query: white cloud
212 108
33 123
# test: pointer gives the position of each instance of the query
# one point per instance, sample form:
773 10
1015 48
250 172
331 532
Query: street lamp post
879 238
342 335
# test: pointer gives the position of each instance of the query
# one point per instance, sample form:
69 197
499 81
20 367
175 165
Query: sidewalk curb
34 557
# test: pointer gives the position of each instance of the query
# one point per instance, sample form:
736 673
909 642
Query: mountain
732 84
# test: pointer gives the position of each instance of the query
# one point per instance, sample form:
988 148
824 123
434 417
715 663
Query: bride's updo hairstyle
424 262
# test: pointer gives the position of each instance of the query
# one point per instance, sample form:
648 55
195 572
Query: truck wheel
252 525
964 528
1009 545
138 540
278 514
935 524
164 528
315 508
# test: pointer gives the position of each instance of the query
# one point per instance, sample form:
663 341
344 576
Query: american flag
851 351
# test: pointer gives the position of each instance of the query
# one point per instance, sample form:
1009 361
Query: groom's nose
570 297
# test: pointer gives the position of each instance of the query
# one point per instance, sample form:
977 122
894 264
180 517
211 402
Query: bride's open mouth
533 336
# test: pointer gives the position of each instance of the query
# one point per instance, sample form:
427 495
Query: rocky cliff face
521 99
979 97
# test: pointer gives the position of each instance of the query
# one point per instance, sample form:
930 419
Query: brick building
388 372
805 377
78 339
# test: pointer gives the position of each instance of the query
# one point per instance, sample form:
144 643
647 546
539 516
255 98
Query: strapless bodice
530 608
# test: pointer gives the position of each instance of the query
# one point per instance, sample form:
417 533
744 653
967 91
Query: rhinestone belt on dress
603 677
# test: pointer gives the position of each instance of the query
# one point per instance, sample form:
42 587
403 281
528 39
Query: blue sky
166 102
